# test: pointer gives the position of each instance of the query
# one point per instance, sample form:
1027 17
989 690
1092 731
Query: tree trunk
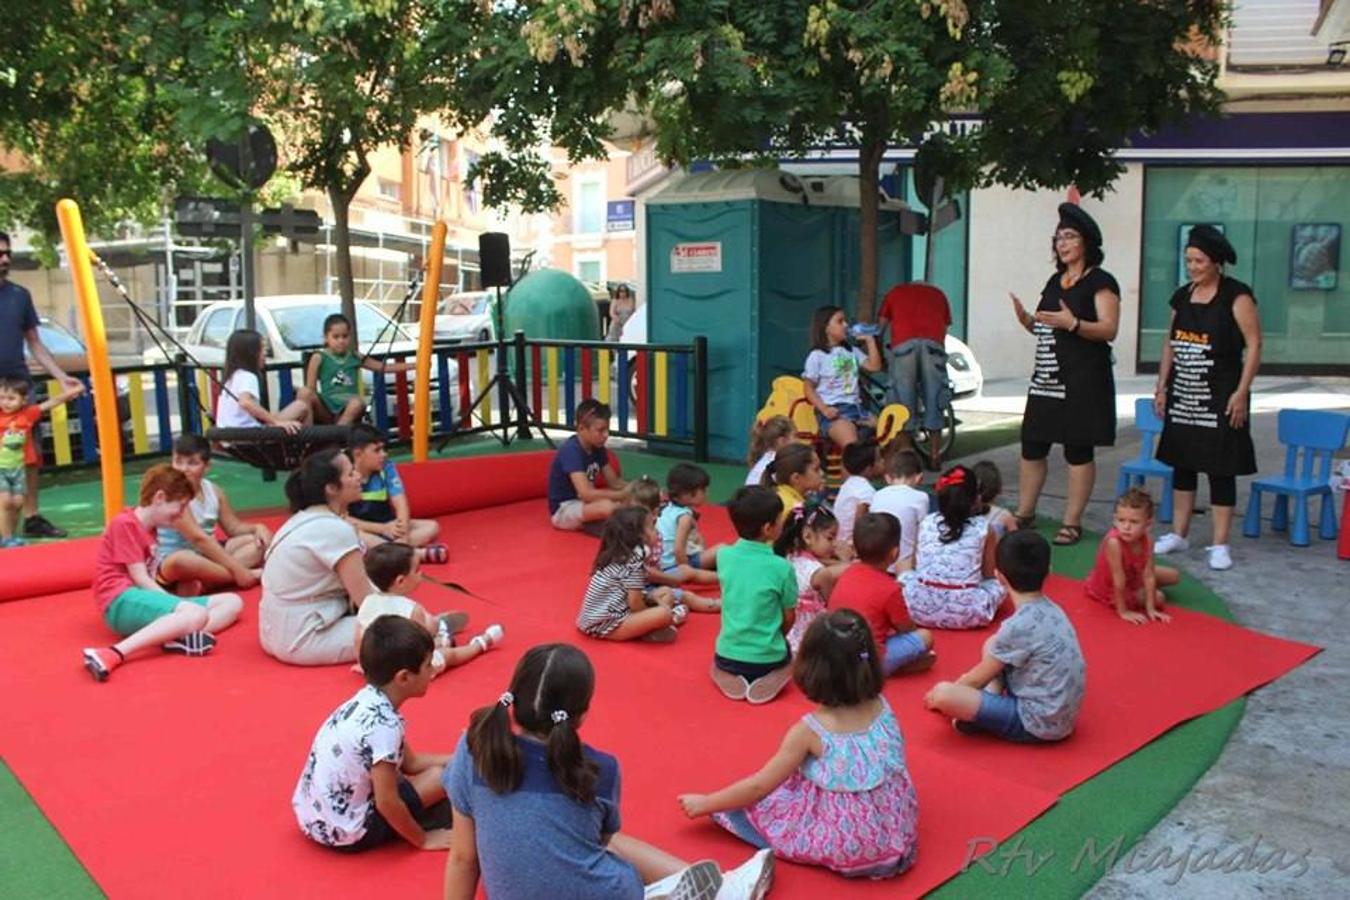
869 187
340 199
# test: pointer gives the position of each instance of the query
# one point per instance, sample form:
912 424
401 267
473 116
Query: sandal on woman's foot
1025 522
436 554
1068 535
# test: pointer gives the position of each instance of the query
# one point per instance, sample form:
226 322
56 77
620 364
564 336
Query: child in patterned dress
953 583
807 542
837 793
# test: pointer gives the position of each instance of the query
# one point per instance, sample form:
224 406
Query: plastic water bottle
860 330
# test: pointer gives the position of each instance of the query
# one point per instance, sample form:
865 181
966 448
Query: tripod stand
509 391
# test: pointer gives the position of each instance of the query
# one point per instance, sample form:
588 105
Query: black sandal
1025 523
1068 535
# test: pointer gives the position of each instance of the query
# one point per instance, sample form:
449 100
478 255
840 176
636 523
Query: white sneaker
750 880
1170 543
679 612
700 881
491 637
1219 557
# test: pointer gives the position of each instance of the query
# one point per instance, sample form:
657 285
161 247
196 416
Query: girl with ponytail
796 474
536 811
953 584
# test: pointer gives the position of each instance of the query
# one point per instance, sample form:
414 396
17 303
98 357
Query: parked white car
466 318
291 326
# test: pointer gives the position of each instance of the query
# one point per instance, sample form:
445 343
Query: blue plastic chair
1138 470
1316 435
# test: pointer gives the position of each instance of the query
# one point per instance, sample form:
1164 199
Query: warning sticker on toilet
704 256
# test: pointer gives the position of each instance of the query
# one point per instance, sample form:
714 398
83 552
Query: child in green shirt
332 373
759 599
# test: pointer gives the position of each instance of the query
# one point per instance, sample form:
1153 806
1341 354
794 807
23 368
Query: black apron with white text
1207 350
1072 397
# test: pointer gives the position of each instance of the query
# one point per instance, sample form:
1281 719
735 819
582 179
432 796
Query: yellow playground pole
96 340
431 288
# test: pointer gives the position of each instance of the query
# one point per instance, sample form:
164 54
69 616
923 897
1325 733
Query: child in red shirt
17 420
134 605
869 590
1124 575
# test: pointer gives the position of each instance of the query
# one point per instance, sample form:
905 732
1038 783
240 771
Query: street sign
291 222
620 215
206 217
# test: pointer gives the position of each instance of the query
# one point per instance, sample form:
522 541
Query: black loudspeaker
494 259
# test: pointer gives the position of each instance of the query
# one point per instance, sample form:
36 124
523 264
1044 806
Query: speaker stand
508 390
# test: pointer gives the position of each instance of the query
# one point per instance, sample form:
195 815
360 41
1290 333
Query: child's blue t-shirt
572 457
538 842
376 492
667 523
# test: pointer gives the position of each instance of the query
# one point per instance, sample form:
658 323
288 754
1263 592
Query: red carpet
175 777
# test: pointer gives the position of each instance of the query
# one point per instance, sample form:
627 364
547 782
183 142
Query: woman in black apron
1204 390
1072 397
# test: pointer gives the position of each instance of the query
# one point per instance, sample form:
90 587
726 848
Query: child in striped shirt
616 606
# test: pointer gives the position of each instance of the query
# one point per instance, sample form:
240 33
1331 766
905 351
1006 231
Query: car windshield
465 306
57 340
301 327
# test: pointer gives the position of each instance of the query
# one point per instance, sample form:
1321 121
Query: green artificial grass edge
1063 852
35 860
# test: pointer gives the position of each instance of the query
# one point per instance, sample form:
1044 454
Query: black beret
1071 216
1211 242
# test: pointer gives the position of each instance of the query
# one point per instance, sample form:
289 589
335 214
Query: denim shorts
379 831
998 715
749 671
850 411
695 562
902 649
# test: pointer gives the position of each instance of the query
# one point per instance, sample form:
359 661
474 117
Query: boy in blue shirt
574 502
382 514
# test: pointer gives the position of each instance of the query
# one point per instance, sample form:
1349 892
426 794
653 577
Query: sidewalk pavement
1285 774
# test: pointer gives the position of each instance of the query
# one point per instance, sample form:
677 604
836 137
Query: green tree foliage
1057 85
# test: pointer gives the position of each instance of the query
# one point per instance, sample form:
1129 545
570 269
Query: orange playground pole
431 288
96 340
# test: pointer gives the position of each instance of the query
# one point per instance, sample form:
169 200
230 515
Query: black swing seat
275 448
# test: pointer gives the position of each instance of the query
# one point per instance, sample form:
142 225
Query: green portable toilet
744 257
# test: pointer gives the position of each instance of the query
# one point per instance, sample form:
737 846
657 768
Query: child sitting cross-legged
362 785
953 583
1124 575
187 554
134 605
394 570
862 462
1029 684
759 602
382 514
683 554
869 590
808 542
643 491
618 605
536 811
902 498
838 793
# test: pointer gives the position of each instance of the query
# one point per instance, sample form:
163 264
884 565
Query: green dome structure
551 304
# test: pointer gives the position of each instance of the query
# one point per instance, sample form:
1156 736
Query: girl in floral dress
837 793
807 541
952 584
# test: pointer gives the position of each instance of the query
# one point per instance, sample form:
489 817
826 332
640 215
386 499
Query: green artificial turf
1060 854
34 861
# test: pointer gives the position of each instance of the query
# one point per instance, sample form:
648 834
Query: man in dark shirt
19 325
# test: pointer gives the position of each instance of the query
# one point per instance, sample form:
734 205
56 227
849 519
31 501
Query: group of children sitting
835 598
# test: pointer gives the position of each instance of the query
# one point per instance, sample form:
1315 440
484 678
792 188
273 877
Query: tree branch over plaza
1057 87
